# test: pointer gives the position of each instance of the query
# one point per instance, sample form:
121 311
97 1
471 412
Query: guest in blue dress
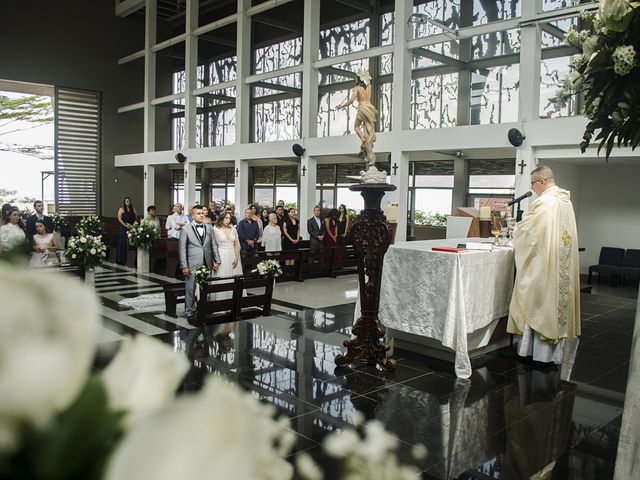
126 217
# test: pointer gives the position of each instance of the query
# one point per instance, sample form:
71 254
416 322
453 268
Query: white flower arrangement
268 266
57 420
201 272
58 220
90 225
142 234
85 251
606 72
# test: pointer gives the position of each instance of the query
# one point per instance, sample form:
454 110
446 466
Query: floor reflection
508 421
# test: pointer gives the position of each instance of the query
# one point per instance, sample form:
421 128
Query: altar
431 299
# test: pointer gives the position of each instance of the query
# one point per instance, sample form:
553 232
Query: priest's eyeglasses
536 181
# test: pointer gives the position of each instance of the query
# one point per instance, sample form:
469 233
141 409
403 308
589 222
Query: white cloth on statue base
530 345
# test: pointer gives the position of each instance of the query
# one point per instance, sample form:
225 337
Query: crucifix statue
366 116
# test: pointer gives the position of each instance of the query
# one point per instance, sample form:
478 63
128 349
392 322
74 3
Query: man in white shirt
316 229
175 222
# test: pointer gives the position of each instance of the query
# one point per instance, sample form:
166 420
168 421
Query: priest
545 306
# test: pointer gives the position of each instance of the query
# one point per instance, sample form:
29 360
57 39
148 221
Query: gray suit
312 227
193 252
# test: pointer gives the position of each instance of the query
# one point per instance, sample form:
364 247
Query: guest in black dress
291 233
264 217
126 217
342 225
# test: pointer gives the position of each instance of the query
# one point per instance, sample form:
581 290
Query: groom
196 246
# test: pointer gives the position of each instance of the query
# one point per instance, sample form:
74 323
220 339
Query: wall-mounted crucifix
304 170
237 172
522 165
186 173
145 175
395 168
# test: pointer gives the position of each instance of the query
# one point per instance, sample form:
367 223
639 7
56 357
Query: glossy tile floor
508 421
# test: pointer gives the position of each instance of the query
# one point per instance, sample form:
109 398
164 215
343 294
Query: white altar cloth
444 295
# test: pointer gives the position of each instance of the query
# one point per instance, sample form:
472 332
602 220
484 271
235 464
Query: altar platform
446 305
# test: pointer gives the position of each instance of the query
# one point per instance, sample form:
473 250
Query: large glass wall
177 187
491 179
222 185
333 182
274 183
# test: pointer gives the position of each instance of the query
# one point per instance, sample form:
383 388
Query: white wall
608 209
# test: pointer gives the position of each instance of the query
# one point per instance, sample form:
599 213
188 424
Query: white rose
342 443
93 251
74 256
83 239
49 328
589 46
143 376
307 468
240 446
612 9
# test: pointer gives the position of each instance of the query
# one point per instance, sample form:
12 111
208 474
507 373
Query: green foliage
33 109
429 219
607 73
90 225
9 196
77 445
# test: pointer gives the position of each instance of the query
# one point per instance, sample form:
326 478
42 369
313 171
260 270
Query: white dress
38 259
225 239
11 235
272 238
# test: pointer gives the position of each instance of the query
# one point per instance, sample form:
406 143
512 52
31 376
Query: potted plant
86 252
142 235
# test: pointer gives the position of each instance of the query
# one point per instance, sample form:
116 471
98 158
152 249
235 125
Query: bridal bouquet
142 234
59 420
90 225
85 251
606 72
201 272
268 266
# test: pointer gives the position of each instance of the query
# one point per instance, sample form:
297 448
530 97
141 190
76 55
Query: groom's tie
200 231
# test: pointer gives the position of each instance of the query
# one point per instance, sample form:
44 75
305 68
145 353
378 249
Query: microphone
520 198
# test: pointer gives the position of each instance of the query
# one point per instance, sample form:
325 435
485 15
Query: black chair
630 265
609 263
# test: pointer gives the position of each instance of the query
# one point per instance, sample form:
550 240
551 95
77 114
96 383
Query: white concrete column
400 160
243 70
530 58
529 95
148 181
401 67
189 185
308 175
191 74
241 170
149 77
525 162
310 52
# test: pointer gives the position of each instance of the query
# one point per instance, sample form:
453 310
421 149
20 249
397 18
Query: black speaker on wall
515 137
298 150
180 158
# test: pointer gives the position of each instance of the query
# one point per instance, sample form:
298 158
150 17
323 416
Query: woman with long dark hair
126 217
330 239
13 231
342 224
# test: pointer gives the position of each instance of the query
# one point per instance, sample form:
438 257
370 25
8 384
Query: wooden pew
174 293
345 257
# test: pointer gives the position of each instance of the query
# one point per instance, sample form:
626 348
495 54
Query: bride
226 237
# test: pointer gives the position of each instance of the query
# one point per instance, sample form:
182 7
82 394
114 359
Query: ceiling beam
553 30
281 88
218 40
289 27
358 5
439 57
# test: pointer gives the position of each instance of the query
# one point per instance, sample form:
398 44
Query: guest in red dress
330 240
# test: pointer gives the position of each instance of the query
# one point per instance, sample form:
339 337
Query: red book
448 249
